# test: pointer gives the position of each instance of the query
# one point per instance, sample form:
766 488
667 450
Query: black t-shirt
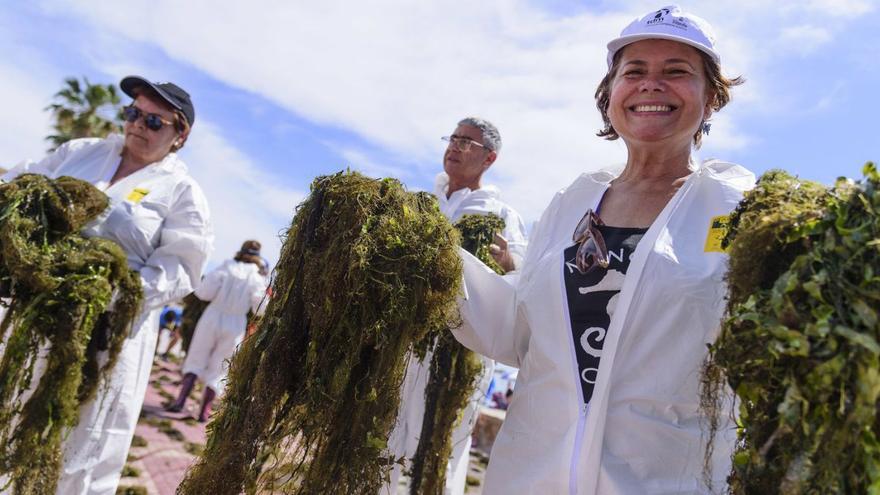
592 298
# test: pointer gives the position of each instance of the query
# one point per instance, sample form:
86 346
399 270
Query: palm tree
84 110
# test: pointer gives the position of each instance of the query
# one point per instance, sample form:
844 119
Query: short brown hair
181 125
719 86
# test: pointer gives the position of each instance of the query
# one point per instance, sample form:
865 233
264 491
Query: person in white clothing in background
159 216
621 290
234 288
473 148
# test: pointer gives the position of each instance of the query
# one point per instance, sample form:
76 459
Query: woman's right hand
501 254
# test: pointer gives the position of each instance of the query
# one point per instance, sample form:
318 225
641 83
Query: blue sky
285 91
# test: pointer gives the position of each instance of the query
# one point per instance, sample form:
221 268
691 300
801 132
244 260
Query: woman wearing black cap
159 216
234 288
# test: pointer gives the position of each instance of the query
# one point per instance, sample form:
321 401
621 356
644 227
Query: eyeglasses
461 143
153 121
592 251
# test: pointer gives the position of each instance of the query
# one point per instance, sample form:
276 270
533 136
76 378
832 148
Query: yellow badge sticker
717 230
137 194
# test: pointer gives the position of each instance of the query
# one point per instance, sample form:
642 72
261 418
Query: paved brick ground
171 438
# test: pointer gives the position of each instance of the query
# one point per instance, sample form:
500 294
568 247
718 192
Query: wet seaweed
193 307
59 286
799 344
366 270
453 374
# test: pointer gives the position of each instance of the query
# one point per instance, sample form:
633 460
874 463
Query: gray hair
491 136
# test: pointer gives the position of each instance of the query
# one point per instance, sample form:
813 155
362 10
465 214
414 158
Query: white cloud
24 126
803 39
842 8
725 136
245 201
26 87
831 98
361 161
400 76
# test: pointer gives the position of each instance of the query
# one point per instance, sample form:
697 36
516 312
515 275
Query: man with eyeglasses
473 148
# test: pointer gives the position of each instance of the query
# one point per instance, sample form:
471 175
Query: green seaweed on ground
130 471
799 344
132 490
165 426
366 270
139 441
453 374
59 286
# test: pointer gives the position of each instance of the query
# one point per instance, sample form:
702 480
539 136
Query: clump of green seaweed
59 286
366 270
193 307
454 371
799 345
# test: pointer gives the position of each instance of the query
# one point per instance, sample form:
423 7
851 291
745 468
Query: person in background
473 148
621 290
501 400
233 289
170 321
158 214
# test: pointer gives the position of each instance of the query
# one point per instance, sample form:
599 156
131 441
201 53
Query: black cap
170 92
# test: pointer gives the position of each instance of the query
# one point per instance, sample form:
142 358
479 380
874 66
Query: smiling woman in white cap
621 290
159 216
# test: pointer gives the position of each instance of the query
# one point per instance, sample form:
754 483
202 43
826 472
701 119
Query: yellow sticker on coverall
717 230
137 194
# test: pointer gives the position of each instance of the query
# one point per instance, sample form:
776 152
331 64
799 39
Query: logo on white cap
667 23
660 13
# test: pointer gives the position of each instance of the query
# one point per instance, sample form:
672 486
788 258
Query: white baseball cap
668 23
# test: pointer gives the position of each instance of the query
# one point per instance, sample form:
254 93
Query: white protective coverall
404 438
641 432
233 288
159 216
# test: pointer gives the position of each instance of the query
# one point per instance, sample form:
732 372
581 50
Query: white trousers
209 354
404 438
96 449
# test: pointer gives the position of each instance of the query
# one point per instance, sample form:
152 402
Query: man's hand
498 250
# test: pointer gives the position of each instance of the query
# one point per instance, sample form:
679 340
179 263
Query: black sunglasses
592 252
153 121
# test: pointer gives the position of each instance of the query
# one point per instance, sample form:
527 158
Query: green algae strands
454 372
367 270
193 307
59 285
799 344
